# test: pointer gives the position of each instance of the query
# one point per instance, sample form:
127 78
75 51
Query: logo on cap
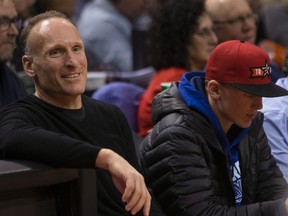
261 72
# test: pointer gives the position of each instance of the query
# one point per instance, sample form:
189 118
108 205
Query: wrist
104 158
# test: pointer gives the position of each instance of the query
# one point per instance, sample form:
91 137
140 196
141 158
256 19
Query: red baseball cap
245 66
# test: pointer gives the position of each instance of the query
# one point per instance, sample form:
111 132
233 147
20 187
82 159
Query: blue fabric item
276 126
276 73
124 95
106 33
11 87
192 91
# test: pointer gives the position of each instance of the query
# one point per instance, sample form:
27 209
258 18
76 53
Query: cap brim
267 90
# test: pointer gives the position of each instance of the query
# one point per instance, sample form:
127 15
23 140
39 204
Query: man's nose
13 30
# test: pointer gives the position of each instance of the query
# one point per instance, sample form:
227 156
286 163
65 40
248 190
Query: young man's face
58 59
7 36
236 107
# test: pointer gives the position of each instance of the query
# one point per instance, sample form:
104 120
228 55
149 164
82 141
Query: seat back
125 95
28 188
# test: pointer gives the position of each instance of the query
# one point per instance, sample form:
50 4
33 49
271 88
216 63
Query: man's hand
127 180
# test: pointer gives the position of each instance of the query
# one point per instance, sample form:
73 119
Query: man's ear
213 89
27 62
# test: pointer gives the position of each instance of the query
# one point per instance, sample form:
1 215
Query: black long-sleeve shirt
11 87
32 129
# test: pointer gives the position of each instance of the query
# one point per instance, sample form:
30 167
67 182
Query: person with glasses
180 39
11 87
235 20
208 154
5 23
25 10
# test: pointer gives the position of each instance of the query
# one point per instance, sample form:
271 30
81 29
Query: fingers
137 196
147 205
128 191
127 180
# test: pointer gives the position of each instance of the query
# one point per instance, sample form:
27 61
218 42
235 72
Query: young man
208 153
11 88
61 127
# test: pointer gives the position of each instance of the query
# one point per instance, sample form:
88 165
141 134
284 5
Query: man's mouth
71 75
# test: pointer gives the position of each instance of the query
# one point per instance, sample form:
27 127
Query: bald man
232 20
235 20
56 62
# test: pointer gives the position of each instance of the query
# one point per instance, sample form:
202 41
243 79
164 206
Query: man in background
235 20
106 29
11 88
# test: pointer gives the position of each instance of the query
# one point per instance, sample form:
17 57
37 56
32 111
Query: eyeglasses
5 23
205 33
239 21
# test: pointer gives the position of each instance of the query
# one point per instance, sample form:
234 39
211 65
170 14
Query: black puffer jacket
187 168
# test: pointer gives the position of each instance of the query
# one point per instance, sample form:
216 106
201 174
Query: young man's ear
27 65
213 89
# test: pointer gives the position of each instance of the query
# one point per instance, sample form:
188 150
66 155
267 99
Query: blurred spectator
276 124
64 6
106 28
276 52
273 27
274 16
180 39
232 20
236 20
78 6
11 88
25 9
256 6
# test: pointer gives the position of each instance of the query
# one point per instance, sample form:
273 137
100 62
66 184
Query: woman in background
180 39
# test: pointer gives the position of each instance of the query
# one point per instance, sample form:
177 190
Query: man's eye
77 49
56 52
4 21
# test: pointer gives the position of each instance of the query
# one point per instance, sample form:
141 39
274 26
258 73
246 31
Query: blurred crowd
139 48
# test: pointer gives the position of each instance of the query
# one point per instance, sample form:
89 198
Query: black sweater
11 87
34 130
